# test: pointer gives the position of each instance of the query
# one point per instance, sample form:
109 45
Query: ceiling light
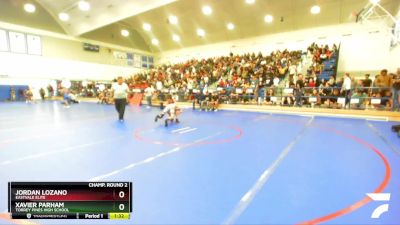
176 38
250 1
230 26
125 33
30 8
268 18
154 41
84 5
173 19
315 9
374 1
146 26
63 16
201 32
207 10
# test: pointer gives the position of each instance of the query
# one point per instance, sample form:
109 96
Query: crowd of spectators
268 79
279 78
237 71
380 93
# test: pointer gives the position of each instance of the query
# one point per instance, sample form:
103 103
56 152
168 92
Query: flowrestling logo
379 197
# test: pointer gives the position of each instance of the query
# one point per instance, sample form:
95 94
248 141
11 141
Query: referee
120 90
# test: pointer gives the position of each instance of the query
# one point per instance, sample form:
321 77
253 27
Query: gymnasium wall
63 57
363 49
27 67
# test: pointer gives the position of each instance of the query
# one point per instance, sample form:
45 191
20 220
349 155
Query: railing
328 97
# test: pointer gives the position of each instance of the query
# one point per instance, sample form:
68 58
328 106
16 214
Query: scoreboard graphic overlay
70 200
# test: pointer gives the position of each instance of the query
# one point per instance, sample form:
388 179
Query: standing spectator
159 85
42 93
149 95
383 80
292 70
21 93
261 94
190 85
298 94
396 91
28 95
346 89
276 81
300 82
13 96
120 90
50 90
367 82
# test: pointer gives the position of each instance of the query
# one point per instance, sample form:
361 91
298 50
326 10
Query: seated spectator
396 91
311 83
318 68
204 102
358 85
235 72
101 98
322 84
214 102
269 96
323 55
234 97
362 98
322 94
334 50
288 100
332 101
315 96
386 101
331 81
223 96
376 95
339 83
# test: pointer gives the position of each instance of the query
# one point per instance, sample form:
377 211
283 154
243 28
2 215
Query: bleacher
330 68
